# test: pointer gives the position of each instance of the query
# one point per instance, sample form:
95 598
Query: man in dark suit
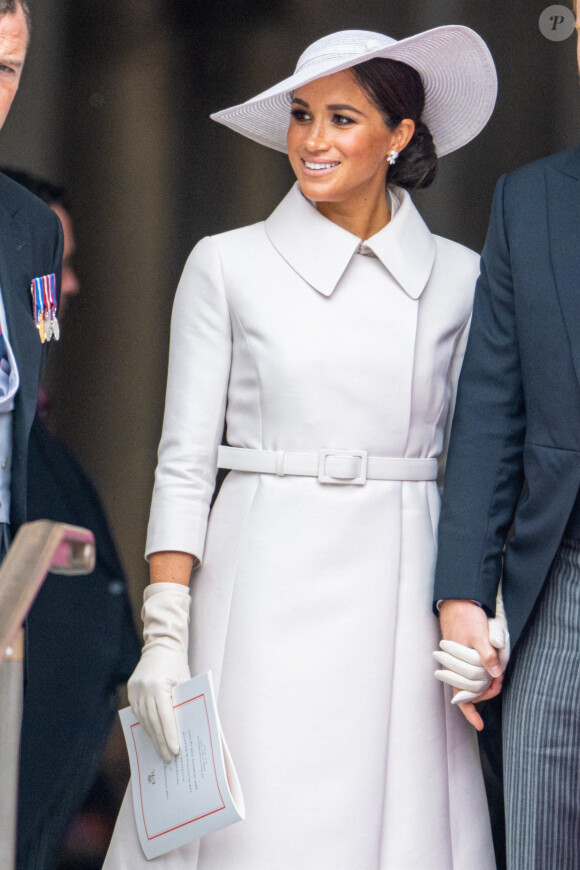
514 460
81 639
30 247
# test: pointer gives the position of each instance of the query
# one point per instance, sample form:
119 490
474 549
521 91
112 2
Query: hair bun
417 163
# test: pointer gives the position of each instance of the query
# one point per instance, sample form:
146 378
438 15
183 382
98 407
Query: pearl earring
392 157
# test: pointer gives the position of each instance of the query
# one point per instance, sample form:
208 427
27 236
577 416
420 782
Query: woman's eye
342 120
300 115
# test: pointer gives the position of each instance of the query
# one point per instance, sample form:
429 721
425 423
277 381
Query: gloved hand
163 664
464 669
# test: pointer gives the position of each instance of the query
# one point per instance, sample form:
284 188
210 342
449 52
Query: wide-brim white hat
454 62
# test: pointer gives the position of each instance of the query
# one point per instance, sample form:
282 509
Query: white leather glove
163 664
464 669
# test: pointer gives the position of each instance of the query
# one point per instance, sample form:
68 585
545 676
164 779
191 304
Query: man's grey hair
9 7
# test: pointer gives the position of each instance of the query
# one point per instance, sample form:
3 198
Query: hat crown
341 46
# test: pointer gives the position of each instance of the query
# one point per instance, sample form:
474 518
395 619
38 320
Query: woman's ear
403 134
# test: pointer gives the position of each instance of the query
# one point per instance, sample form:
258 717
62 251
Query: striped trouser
541 722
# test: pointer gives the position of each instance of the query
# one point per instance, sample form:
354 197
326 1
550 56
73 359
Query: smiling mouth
319 166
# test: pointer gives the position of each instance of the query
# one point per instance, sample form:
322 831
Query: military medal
47 310
38 305
47 325
43 292
55 327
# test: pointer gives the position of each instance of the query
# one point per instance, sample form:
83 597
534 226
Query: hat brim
455 65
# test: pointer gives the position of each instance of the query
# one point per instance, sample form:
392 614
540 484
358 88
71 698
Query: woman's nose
317 139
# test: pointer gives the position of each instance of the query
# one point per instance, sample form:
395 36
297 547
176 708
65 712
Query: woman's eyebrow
341 107
333 107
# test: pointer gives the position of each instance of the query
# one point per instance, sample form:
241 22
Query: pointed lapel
406 246
316 248
320 251
563 195
15 277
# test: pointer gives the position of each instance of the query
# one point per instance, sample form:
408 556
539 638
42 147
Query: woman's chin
318 189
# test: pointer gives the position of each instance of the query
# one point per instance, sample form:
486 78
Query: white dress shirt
9 382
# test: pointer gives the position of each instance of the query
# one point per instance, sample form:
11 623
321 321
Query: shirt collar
320 251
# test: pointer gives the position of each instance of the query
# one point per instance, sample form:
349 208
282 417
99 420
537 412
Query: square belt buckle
360 479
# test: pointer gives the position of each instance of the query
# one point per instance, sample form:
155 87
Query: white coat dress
312 604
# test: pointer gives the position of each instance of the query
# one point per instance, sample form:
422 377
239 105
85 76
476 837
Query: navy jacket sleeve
484 474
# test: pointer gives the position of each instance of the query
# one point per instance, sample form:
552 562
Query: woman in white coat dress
329 339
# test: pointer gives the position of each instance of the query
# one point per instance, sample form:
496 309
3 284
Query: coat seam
235 318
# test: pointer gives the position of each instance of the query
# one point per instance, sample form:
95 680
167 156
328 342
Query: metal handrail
38 548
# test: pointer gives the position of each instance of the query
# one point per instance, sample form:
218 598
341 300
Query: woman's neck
363 217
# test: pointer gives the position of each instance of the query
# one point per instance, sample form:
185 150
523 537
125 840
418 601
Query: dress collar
320 251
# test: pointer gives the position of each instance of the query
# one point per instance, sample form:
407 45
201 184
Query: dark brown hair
396 89
9 7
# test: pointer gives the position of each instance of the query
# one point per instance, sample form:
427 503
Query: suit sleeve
484 474
199 367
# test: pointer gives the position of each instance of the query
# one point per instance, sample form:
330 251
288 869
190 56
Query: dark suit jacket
30 246
515 444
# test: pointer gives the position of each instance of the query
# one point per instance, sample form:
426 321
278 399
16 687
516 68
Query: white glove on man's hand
163 664
464 669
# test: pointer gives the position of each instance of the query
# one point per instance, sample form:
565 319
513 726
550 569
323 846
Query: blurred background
114 105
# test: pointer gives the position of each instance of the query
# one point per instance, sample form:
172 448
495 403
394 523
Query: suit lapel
15 277
563 196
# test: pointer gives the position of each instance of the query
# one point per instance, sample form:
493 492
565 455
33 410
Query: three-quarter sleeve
199 366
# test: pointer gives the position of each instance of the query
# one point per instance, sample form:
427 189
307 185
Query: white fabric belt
329 466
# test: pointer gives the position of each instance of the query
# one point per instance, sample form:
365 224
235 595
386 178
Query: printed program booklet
198 791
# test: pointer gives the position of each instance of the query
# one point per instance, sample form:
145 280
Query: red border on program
204 815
